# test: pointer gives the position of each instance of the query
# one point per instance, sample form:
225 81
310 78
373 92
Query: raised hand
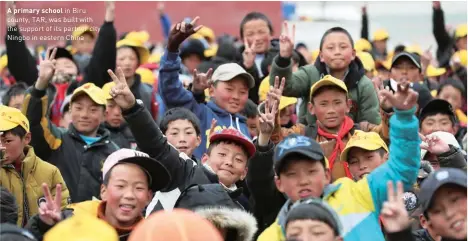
120 92
267 119
378 86
180 33
10 16
110 11
404 98
276 91
394 215
46 69
161 7
434 144
248 55
287 40
201 81
213 126
49 211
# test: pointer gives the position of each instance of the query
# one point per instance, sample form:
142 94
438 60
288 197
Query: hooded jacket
175 95
27 185
360 88
122 136
184 172
95 208
79 163
357 203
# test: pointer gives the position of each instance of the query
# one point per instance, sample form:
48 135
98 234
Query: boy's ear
197 143
150 197
204 158
353 54
27 138
385 157
349 105
244 174
278 184
327 176
211 90
310 107
103 192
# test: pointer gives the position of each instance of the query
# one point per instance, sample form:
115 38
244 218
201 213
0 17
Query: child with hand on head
229 87
301 170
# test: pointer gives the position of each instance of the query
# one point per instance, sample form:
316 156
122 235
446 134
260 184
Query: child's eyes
222 154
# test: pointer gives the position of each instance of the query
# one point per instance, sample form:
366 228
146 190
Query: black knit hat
315 209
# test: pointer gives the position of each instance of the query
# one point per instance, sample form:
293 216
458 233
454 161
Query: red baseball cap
234 135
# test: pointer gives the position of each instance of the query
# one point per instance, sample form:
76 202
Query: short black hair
250 109
254 16
8 207
14 90
179 113
228 142
325 88
336 30
454 83
17 131
398 49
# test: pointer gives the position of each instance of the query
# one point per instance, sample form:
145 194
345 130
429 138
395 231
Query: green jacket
360 88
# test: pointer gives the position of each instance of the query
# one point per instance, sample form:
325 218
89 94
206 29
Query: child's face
257 32
447 214
182 135
229 162
85 44
380 45
86 115
361 162
128 61
308 230
231 95
126 194
303 179
330 107
438 122
113 114
14 146
252 125
383 73
337 51
286 114
452 95
191 62
65 66
404 69
16 101
461 43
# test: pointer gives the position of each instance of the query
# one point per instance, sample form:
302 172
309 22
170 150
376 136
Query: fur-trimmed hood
231 218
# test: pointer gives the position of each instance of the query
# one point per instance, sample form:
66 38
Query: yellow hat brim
106 90
82 30
100 100
286 101
434 72
327 82
6 125
363 144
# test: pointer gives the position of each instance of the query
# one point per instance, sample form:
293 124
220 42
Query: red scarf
346 126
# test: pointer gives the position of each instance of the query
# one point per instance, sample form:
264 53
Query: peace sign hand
201 81
287 41
267 119
49 211
180 33
394 214
276 91
46 69
248 55
120 92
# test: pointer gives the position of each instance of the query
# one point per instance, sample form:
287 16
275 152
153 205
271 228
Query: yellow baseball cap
461 55
82 29
286 101
211 51
11 117
95 93
367 60
154 58
328 80
381 34
432 71
82 227
362 45
106 90
460 32
414 49
139 36
146 75
207 33
369 141
143 52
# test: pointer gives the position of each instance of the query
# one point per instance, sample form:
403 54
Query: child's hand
49 211
267 119
394 215
276 91
201 81
248 55
120 92
287 41
433 144
46 69
10 16
213 126
404 98
110 11
180 33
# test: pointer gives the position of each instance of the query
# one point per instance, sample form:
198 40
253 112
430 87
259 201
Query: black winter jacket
122 135
79 163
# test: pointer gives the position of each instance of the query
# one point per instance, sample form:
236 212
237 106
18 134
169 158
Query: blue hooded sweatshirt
174 94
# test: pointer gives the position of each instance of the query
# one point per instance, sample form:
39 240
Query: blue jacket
359 203
175 95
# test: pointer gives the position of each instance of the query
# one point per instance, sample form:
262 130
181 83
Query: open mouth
182 148
127 207
304 193
457 225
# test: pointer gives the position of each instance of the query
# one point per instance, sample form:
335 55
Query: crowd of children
269 141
